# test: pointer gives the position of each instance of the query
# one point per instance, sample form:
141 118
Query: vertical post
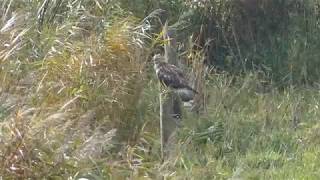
170 52
170 103
161 125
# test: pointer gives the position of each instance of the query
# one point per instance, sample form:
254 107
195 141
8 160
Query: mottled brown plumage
171 76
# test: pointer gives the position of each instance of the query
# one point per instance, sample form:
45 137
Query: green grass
245 134
79 99
255 137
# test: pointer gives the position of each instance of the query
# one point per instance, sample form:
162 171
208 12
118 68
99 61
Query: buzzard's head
157 59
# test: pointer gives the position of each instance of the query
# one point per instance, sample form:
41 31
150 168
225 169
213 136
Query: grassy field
245 134
79 99
254 135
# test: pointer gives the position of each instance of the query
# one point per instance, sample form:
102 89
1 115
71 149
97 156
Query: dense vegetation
79 99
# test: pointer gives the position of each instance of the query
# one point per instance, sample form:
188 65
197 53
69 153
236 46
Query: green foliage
78 100
277 37
254 138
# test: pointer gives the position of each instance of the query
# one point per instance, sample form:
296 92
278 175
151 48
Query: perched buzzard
171 76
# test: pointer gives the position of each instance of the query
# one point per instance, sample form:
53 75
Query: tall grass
77 98
248 134
69 86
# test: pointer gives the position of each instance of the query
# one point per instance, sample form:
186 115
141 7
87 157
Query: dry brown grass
65 106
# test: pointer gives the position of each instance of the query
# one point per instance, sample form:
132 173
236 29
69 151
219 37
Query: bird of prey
171 76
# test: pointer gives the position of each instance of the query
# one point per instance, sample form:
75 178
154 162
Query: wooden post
170 103
161 125
170 52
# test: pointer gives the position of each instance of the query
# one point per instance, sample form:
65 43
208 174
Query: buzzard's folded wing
171 76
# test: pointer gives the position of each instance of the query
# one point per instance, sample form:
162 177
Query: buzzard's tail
190 88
